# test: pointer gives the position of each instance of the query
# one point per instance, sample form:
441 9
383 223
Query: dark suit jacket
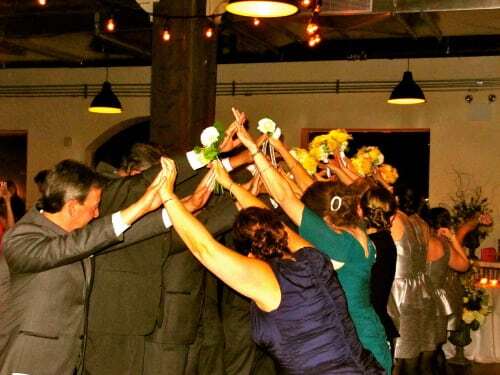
127 285
184 280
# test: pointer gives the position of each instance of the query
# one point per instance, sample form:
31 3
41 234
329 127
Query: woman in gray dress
412 305
444 254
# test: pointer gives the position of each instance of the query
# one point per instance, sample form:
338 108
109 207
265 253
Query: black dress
311 331
383 272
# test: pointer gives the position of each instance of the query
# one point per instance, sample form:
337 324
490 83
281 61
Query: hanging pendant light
407 91
262 8
106 101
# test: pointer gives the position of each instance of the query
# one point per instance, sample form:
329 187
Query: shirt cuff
166 219
119 226
227 164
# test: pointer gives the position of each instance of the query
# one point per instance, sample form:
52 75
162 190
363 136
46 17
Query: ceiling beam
132 49
245 33
46 51
426 17
409 29
412 6
332 7
11 49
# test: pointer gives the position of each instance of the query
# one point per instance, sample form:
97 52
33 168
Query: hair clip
335 203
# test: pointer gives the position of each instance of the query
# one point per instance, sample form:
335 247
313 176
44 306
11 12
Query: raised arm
274 182
458 259
9 214
251 277
468 226
29 248
300 175
247 199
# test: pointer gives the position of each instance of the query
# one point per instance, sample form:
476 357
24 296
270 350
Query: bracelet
252 154
168 200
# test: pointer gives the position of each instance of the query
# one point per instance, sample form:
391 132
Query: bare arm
300 175
458 259
253 278
274 182
465 228
247 199
9 214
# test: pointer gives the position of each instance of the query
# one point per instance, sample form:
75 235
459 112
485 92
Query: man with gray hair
43 328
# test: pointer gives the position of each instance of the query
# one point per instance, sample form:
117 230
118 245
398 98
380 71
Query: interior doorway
408 150
13 159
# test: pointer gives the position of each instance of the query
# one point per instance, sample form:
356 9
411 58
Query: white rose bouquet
269 127
210 138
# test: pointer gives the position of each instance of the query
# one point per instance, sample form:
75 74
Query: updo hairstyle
259 231
378 206
334 201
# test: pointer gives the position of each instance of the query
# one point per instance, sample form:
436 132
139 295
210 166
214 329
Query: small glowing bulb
42 2
166 35
256 22
110 25
493 282
312 27
483 281
306 3
311 42
209 32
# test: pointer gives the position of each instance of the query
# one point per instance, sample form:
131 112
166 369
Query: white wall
456 143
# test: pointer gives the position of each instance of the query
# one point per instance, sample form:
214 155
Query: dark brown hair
260 231
318 197
378 205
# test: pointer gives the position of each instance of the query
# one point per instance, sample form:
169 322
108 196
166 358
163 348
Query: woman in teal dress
339 235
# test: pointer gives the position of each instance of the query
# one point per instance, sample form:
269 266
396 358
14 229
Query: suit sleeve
30 248
148 226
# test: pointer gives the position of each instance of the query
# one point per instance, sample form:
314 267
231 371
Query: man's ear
71 207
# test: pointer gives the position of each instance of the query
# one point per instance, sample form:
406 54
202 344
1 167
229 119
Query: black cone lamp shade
407 91
106 101
262 8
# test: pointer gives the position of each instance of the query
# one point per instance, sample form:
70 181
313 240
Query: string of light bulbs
312 27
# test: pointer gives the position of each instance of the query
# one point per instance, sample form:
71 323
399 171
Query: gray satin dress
437 272
412 304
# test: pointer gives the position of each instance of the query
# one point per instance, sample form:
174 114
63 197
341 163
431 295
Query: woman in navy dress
299 312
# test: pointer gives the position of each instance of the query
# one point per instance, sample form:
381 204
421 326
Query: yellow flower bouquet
305 159
388 173
366 158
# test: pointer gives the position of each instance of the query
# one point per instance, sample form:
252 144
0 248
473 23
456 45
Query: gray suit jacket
50 273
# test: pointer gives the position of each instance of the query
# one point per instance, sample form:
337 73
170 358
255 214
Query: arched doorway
111 146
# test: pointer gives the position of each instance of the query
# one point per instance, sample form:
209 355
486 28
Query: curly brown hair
260 231
318 197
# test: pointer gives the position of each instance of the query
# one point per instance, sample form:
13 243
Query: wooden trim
4 133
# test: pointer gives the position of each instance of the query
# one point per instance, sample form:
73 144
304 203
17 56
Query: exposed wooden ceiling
68 32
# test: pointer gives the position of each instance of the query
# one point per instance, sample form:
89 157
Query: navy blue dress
311 331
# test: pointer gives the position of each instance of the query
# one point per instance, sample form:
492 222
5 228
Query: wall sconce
492 98
468 98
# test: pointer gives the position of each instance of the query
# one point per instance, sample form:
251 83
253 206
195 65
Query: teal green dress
354 276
